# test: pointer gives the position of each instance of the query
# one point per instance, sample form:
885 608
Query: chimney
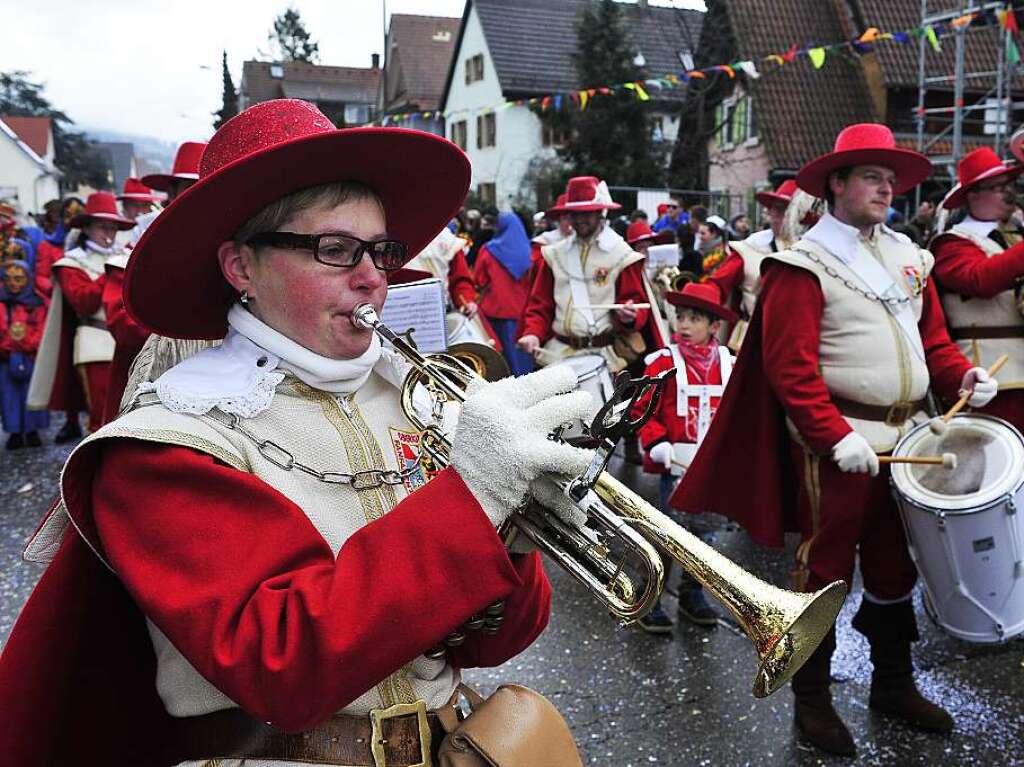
375 61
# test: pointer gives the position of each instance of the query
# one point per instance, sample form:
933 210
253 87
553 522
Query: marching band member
22 318
79 278
683 416
980 272
847 338
445 258
137 203
264 505
592 267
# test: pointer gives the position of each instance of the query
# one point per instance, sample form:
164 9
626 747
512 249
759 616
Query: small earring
244 298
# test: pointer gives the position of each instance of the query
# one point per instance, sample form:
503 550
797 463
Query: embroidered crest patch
406 445
601 276
914 279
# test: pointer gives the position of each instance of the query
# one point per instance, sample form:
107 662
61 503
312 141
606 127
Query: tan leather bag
515 727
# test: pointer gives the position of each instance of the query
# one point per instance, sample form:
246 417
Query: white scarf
96 247
324 373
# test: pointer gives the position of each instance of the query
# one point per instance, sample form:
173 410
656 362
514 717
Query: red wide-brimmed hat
782 194
587 193
638 231
558 208
703 296
865 144
173 283
135 191
101 206
982 164
185 168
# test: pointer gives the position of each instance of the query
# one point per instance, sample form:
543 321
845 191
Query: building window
474 68
657 129
553 136
735 120
459 134
487 194
486 131
357 114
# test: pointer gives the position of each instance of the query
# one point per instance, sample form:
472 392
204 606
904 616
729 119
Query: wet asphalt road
634 699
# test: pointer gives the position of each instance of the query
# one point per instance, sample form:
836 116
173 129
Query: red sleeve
630 287
539 313
728 276
249 592
47 254
460 281
6 342
121 325
482 270
792 304
946 363
35 323
654 431
962 267
83 293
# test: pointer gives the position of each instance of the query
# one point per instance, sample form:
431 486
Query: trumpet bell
482 359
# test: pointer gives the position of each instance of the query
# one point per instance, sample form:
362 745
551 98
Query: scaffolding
996 105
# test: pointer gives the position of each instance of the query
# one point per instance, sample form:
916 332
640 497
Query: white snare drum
592 376
461 329
962 525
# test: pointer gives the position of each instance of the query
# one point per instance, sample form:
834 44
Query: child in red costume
22 318
673 434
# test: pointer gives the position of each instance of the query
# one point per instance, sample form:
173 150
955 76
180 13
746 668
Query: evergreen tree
291 40
229 103
611 138
75 156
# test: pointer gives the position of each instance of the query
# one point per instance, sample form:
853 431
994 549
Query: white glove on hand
501 442
853 454
983 386
662 453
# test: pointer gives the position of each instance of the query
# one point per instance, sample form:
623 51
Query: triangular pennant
901 37
929 32
790 55
639 90
1012 53
817 57
870 35
749 69
776 58
558 102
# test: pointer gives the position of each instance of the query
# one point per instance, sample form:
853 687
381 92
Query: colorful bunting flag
817 57
749 69
929 32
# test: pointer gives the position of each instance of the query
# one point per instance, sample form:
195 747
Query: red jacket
501 296
47 254
964 268
460 281
31 318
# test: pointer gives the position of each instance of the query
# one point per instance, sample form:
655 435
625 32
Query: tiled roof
900 61
533 42
420 51
309 81
799 110
34 131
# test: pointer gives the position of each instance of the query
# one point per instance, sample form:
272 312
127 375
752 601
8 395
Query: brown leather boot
815 717
890 630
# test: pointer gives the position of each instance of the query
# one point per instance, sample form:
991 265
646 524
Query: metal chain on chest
893 302
283 459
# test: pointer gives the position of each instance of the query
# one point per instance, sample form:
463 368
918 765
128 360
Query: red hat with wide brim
557 209
135 191
638 231
585 194
174 284
983 164
865 144
783 194
101 206
185 168
703 296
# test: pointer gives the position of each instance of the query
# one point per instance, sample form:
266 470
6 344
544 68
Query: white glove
662 453
853 454
501 442
983 386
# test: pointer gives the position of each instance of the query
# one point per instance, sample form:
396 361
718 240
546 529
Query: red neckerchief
700 358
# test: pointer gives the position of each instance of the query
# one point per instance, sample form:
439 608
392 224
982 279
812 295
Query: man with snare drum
848 335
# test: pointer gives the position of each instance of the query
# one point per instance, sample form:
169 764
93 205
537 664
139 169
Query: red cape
748 438
67 392
80 658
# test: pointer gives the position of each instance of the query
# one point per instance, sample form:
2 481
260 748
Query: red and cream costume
79 278
574 275
445 258
980 278
690 400
277 551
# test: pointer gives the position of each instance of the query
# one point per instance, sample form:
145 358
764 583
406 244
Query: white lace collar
241 375
978 228
842 240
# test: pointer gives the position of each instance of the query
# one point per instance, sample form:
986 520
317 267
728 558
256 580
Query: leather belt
405 735
587 342
987 331
891 415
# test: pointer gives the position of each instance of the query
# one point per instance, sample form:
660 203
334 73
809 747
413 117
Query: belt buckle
898 414
378 741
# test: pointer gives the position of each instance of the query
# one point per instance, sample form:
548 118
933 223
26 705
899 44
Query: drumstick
615 306
946 460
938 425
542 351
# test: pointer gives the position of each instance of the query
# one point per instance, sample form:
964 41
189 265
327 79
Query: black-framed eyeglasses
335 249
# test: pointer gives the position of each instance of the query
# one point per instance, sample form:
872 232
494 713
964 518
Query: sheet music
662 255
420 306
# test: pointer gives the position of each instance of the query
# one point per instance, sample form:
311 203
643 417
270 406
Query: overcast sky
153 68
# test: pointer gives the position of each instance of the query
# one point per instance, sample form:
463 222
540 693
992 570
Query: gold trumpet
784 626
